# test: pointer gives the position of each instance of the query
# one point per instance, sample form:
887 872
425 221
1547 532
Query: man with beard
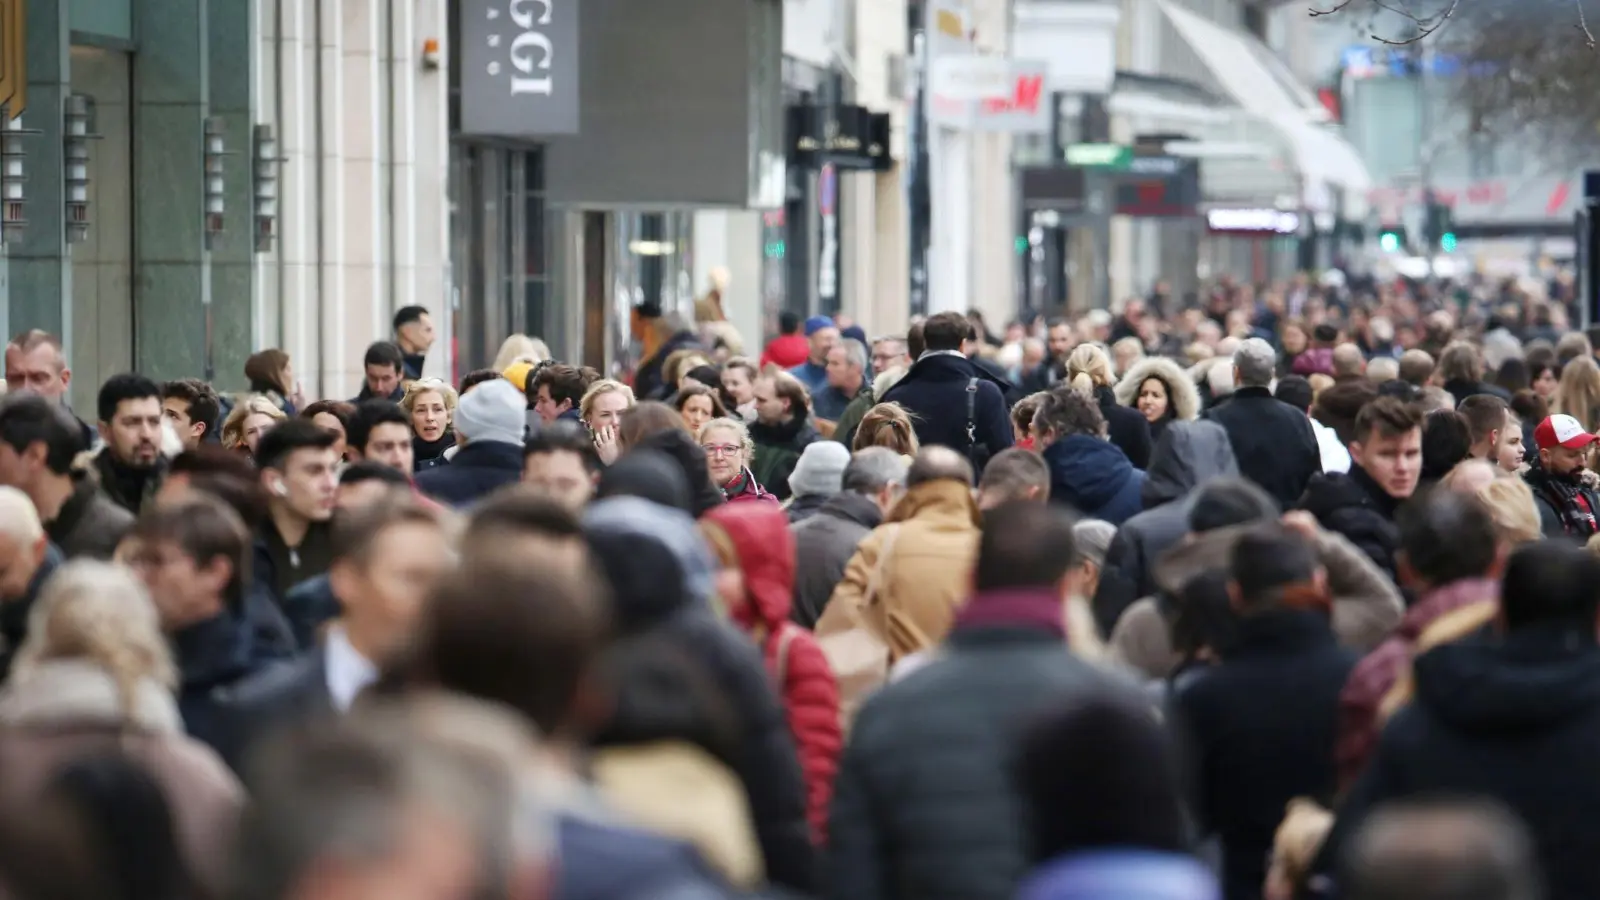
130 466
1563 488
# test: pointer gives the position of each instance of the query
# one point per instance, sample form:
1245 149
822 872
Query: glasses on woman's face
720 449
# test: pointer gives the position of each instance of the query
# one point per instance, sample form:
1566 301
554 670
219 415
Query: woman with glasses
728 452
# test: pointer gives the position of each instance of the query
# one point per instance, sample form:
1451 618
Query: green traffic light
1447 242
1022 244
1389 241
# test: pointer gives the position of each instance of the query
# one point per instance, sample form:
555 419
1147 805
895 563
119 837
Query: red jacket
760 536
1376 674
786 351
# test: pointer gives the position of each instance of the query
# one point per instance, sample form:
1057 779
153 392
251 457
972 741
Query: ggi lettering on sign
531 51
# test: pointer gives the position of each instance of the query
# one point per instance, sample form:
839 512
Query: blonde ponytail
1083 384
1088 368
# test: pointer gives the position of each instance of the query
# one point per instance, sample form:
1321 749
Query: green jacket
778 449
850 420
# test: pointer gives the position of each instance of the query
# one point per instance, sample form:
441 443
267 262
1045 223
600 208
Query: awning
1244 160
1249 74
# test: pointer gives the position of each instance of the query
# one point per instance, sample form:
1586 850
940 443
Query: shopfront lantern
215 198
13 176
266 187
75 138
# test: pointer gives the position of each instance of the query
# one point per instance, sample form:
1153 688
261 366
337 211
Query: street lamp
266 187
75 168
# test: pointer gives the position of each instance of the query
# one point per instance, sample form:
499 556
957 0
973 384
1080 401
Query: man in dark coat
1273 441
1189 454
824 543
1059 343
943 385
1385 469
1258 728
924 807
490 420
1513 718
782 431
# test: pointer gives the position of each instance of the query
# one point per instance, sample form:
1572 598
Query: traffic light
1021 244
1391 239
774 250
1440 227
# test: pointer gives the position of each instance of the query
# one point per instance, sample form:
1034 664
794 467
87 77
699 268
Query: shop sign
519 68
1253 221
846 137
1099 156
13 55
1156 187
989 94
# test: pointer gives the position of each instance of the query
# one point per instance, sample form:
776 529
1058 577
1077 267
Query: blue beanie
816 324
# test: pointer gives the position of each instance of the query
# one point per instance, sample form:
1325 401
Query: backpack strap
972 412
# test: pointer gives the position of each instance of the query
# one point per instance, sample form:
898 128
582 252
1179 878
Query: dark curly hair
1067 412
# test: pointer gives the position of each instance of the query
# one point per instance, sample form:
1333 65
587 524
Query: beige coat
1366 604
678 790
931 538
66 709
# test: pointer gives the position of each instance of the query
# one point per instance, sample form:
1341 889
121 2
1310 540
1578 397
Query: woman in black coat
1089 371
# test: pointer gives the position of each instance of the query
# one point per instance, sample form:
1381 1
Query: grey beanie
1093 538
492 411
820 469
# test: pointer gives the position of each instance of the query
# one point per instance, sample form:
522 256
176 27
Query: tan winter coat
65 709
1366 604
931 536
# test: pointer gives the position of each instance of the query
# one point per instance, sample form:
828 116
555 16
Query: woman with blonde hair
1089 371
94 677
520 348
1510 504
251 417
887 425
1578 392
729 451
601 410
431 405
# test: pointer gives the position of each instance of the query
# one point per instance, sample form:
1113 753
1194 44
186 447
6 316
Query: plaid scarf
1572 498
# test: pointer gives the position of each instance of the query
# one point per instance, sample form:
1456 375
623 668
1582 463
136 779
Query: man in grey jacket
825 541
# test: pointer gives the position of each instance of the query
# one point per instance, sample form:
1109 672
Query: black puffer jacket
923 807
1513 719
1355 506
661 581
1188 455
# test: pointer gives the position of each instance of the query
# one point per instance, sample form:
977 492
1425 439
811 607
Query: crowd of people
1282 591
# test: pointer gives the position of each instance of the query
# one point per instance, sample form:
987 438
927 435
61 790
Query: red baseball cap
1562 430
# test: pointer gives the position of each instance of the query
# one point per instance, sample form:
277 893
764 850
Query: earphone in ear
279 488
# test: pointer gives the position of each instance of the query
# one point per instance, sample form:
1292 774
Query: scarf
1571 497
741 483
422 450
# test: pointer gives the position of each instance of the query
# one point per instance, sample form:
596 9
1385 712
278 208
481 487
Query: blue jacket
308 606
614 862
478 469
1094 477
813 376
1121 875
935 393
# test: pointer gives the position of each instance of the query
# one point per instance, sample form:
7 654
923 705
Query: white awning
1263 87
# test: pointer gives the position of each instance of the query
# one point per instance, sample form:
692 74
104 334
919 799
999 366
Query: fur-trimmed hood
1182 395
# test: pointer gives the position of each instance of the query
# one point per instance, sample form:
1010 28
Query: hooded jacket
662 578
1183 398
1188 455
1361 702
760 537
1094 478
1513 719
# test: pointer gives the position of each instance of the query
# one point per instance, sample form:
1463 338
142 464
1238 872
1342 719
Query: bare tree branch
1583 24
